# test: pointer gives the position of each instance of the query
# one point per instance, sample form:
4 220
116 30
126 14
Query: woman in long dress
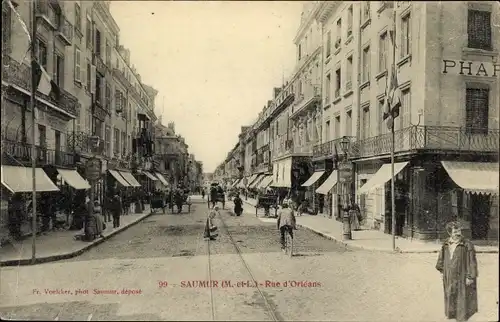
98 220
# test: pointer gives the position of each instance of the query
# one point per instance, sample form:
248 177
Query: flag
45 84
392 101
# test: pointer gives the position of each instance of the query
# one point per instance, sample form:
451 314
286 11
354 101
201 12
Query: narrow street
165 265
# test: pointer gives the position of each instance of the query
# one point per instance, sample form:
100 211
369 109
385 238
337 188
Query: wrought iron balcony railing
22 152
81 142
20 75
456 139
331 148
65 30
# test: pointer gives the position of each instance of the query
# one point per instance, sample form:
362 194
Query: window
406 35
6 29
98 127
124 143
365 75
337 127
479 29
405 110
108 97
338 82
327 131
98 88
348 123
88 33
300 51
476 110
89 76
129 147
108 53
42 136
77 72
107 139
78 17
365 120
97 48
116 145
58 75
382 58
41 53
348 84
382 125
328 44
366 10
349 21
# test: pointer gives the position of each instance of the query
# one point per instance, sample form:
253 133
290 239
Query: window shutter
78 65
476 114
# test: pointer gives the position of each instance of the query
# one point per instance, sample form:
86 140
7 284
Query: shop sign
470 68
93 169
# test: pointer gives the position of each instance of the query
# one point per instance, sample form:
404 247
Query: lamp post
346 222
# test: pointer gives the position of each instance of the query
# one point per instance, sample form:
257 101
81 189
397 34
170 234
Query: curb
58 257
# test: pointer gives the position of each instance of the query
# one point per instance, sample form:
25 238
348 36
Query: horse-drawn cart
267 202
158 202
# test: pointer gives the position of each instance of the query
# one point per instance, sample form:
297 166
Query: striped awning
150 176
329 183
251 180
315 177
266 181
382 176
474 177
162 179
256 182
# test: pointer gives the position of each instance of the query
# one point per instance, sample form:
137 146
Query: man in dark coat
458 266
116 210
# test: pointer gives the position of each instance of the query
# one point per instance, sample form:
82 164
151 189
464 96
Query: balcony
80 142
65 31
312 94
331 148
19 75
22 153
304 149
46 11
433 138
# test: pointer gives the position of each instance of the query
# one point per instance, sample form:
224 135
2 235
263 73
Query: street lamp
344 144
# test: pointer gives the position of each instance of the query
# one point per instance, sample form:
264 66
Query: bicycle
289 241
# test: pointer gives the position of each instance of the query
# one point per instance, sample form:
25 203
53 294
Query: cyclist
286 222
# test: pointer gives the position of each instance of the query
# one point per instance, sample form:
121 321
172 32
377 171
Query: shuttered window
479 29
476 110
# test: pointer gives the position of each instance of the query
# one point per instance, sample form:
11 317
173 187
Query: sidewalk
364 239
59 245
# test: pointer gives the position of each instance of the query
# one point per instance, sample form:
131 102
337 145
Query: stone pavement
59 245
372 240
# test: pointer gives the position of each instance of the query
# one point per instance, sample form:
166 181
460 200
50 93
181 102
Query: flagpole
393 199
33 150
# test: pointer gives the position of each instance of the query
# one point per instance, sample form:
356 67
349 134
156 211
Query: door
480 216
58 147
42 142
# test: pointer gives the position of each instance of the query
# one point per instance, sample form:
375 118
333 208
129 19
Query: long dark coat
460 300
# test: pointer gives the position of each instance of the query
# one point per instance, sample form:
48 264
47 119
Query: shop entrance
480 216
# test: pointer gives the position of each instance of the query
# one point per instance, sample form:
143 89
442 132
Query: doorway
480 216
57 140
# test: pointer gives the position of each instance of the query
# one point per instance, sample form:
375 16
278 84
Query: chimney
171 125
269 103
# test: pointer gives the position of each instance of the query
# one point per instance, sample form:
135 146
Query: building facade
445 137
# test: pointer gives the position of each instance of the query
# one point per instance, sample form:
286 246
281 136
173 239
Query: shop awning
329 183
382 176
256 182
251 179
241 184
20 179
235 183
74 179
150 176
287 174
130 179
119 178
315 177
266 181
474 177
162 179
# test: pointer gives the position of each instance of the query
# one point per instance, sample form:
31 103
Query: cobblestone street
349 285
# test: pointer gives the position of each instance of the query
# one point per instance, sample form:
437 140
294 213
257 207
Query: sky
214 63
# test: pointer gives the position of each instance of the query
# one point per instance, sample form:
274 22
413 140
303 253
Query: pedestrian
209 225
238 209
354 216
458 265
116 211
203 194
98 220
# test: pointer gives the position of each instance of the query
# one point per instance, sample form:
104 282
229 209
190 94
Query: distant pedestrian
203 193
116 211
458 266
